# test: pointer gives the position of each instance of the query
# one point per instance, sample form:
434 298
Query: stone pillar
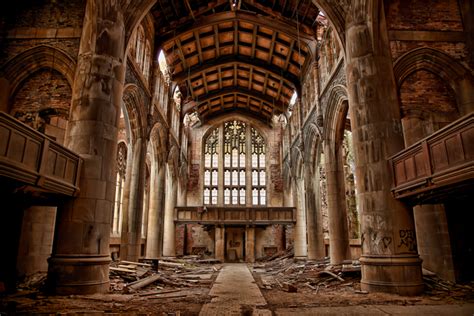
220 243
250 244
36 240
133 208
316 249
80 260
132 217
336 197
155 214
301 245
390 261
432 233
169 229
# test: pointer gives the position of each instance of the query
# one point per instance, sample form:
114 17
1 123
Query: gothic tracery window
121 167
241 173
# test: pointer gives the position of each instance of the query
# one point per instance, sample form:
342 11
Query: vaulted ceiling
240 55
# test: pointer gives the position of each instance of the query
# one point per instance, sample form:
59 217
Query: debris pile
438 288
283 272
163 277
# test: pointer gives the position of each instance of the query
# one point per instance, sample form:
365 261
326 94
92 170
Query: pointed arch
134 104
23 65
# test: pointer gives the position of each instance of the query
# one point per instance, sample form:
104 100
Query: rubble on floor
161 278
282 272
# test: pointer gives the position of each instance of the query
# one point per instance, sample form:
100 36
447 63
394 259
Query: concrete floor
235 293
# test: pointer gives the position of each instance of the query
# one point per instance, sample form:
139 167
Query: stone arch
337 103
134 104
158 143
23 65
442 65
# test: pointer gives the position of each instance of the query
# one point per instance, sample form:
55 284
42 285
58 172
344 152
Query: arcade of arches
234 130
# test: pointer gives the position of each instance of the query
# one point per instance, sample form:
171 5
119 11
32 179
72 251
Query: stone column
336 197
431 224
80 260
155 214
250 244
301 245
390 262
220 243
36 240
316 249
133 210
169 229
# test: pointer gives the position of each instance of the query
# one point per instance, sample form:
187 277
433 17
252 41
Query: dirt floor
183 289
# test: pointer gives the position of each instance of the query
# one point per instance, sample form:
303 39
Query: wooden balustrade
236 215
32 158
436 165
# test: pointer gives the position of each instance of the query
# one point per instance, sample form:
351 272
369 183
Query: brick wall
417 15
42 101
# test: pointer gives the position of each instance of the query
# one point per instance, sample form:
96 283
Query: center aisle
235 293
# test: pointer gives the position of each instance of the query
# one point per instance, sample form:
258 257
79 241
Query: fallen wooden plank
143 282
332 274
170 264
137 263
159 292
122 270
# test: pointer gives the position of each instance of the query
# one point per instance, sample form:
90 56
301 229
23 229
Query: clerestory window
235 175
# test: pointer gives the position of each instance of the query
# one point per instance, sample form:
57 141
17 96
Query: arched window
140 48
243 175
121 167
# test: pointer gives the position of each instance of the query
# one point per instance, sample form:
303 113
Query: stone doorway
235 244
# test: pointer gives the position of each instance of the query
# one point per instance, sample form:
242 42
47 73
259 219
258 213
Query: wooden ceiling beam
288 58
181 53
272 47
220 76
289 78
216 40
250 78
204 81
278 25
280 106
189 9
254 42
296 8
198 44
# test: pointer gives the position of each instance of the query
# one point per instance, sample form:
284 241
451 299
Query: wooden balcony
31 158
235 215
438 166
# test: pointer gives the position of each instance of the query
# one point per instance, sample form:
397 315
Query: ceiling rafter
290 79
278 105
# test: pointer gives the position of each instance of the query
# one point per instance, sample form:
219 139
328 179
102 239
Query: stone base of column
78 275
398 274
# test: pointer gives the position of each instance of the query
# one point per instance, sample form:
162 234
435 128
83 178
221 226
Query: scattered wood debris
167 276
281 271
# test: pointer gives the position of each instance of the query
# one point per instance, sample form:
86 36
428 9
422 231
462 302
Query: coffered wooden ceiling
237 55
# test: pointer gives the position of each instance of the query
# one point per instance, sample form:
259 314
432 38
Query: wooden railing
441 162
29 157
236 215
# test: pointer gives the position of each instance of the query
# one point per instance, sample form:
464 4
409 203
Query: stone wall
36 240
